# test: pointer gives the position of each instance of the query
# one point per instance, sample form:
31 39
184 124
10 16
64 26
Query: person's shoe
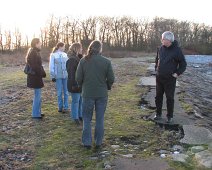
77 122
98 147
169 120
80 118
60 111
87 147
65 111
37 118
157 117
42 115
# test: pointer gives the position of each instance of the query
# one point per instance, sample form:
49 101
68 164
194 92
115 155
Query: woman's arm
52 67
110 76
79 74
34 61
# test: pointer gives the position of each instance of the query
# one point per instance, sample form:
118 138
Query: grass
55 142
186 106
9 79
62 148
191 164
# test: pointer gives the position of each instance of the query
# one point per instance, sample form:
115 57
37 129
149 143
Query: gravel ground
196 82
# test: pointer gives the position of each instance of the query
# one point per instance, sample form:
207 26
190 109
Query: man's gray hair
168 36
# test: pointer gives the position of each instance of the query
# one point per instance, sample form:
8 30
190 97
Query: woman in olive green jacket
95 76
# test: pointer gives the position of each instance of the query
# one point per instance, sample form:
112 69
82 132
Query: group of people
86 78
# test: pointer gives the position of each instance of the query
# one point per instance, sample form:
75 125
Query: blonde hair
74 49
94 48
34 42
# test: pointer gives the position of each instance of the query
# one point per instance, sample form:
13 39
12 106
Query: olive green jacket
95 75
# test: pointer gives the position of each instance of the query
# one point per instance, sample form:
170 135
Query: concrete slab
150 81
204 158
178 119
140 164
151 69
150 98
147 81
195 135
180 157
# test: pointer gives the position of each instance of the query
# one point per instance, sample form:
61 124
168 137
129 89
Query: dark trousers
165 85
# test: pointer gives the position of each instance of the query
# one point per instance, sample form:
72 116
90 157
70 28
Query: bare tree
1 41
8 44
18 38
117 33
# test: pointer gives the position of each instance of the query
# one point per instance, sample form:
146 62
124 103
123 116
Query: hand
53 80
175 75
108 86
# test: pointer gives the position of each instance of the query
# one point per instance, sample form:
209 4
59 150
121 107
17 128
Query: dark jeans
88 105
165 85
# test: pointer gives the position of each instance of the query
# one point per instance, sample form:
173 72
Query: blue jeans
88 105
36 107
76 105
61 85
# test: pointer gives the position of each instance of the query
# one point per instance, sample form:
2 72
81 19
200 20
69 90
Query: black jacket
170 60
34 61
71 66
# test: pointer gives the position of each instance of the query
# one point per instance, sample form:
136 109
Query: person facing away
74 55
59 75
35 81
170 63
95 75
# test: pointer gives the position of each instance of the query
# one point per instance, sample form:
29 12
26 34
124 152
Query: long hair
94 48
74 49
34 42
60 44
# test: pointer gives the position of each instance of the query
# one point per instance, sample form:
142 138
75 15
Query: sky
30 15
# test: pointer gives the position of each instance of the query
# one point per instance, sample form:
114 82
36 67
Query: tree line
117 33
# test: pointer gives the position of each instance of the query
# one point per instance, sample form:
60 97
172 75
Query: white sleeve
66 57
52 66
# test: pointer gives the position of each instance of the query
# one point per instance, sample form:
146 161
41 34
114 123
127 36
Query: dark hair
34 42
60 44
94 48
74 49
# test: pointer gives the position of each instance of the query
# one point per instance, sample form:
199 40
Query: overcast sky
31 15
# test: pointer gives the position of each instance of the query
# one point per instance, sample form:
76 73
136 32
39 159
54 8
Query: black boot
87 147
157 117
169 120
77 122
80 118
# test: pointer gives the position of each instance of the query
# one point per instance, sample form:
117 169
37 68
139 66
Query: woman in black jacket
35 81
74 54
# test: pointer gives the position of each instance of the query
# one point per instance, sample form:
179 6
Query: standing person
35 81
170 63
95 75
58 73
74 54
